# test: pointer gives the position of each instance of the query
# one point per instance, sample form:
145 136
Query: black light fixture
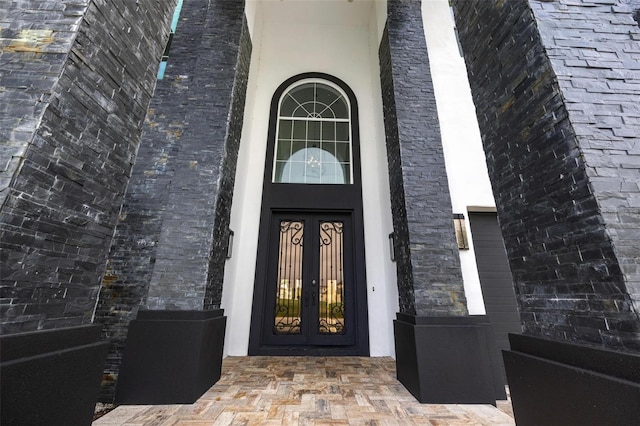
230 244
392 247
461 231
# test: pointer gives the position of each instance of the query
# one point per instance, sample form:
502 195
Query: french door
310 281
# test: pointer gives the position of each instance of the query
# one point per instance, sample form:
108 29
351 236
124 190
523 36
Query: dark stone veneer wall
635 7
168 252
428 264
76 81
556 88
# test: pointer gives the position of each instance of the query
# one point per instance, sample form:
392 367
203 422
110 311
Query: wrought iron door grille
289 289
331 285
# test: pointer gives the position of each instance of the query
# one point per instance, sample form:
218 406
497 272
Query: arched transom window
313 143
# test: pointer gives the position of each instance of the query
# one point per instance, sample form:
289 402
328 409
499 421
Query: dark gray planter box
171 357
559 383
448 360
51 377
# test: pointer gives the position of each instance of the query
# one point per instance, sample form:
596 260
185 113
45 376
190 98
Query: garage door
495 277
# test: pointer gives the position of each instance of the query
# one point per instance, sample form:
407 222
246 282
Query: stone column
167 259
76 80
556 90
429 274
433 327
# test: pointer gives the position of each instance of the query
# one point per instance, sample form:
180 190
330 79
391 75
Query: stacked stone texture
398 209
169 248
556 91
32 57
634 5
218 258
428 264
76 79
595 53
182 268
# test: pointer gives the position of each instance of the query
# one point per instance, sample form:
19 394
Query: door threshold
308 351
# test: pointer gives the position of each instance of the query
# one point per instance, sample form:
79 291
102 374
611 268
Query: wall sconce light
392 247
230 244
461 231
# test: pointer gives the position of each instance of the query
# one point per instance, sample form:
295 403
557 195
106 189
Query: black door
310 281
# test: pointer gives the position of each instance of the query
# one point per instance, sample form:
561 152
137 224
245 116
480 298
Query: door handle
313 295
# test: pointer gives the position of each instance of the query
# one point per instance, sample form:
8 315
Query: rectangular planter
171 357
447 360
51 377
561 383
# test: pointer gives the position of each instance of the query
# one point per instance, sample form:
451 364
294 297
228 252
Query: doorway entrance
310 285
310 288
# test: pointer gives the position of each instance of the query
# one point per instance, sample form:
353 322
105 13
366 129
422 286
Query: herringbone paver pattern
306 391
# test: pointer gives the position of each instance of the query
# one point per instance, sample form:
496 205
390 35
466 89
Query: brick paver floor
308 391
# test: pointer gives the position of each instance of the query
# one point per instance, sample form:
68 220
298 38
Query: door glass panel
331 285
287 313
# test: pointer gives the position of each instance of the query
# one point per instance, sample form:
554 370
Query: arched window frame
349 133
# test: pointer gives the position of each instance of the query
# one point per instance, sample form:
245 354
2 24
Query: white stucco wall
292 37
464 157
